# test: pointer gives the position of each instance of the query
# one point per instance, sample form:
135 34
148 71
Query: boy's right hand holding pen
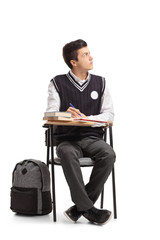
75 112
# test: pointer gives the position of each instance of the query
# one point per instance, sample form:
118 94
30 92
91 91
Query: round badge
94 95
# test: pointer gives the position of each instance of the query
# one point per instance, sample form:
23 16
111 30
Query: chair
84 162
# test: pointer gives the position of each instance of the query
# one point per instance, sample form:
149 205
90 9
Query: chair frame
49 142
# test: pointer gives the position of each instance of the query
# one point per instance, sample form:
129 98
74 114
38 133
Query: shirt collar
78 79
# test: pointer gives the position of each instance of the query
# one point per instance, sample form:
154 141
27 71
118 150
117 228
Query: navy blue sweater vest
86 98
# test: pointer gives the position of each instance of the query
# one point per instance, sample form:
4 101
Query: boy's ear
73 62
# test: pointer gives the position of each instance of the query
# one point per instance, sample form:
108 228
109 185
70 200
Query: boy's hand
76 113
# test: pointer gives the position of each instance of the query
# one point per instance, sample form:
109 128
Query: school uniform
91 96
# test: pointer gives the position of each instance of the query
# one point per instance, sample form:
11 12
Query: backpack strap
45 174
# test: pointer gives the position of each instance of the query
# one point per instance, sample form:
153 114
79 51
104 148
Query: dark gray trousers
84 196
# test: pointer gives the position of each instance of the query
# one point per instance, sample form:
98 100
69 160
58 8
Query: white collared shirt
106 112
78 80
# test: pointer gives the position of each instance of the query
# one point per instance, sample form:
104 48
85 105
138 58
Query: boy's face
85 60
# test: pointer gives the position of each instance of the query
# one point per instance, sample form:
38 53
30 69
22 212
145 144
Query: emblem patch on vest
94 95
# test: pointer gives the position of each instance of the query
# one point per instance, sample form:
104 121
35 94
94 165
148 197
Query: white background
124 40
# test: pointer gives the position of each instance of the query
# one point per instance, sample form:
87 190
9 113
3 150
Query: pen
74 107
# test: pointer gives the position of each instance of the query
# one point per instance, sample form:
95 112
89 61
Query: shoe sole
104 222
66 215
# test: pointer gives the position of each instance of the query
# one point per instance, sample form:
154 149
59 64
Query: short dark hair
70 51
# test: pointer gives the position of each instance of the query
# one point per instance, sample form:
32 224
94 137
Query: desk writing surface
70 123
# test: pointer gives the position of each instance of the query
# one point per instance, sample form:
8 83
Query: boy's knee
112 155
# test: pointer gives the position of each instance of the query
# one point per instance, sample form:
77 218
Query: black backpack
30 192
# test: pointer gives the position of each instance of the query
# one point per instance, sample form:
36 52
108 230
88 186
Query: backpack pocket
24 200
46 202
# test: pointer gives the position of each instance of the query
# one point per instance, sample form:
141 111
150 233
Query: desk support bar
48 144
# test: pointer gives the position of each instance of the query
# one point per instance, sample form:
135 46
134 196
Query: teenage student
86 95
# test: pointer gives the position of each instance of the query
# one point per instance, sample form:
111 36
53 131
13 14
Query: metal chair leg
113 175
114 193
102 197
53 175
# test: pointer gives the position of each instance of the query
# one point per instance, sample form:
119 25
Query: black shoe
73 214
97 216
